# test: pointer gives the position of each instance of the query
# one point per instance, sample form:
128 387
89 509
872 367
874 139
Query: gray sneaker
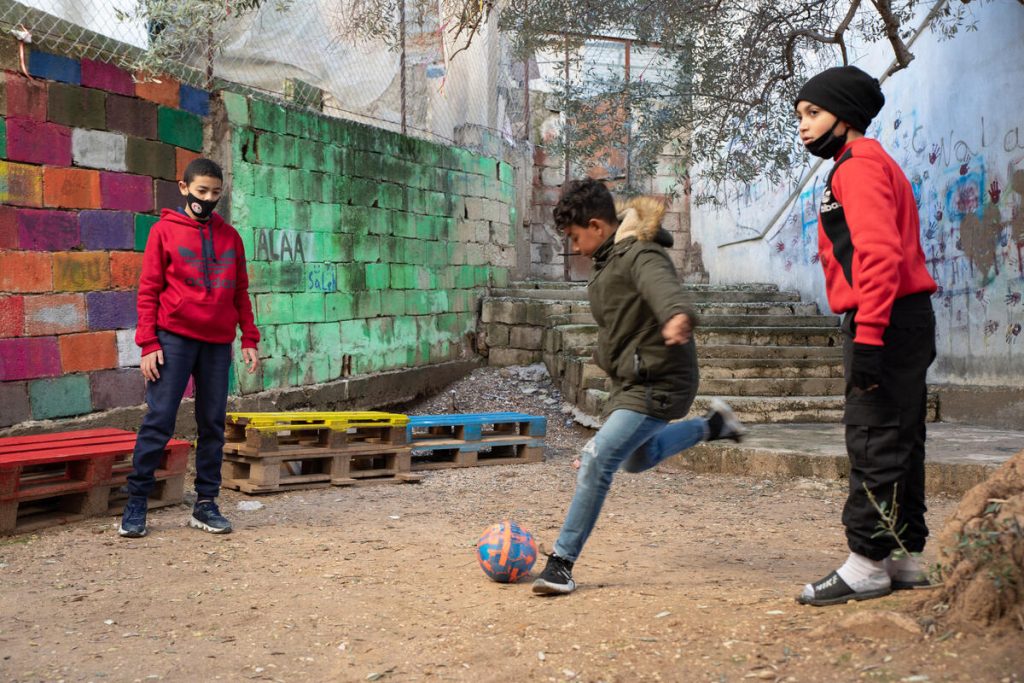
206 516
723 422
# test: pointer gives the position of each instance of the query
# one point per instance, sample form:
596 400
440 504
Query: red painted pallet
50 479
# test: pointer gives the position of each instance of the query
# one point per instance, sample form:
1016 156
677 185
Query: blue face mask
202 209
828 145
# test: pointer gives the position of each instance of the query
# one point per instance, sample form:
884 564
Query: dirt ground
687 578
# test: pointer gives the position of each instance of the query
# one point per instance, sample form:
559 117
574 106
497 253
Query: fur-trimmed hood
641 218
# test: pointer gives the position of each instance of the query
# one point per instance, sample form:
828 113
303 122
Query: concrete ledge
958 457
369 392
1001 407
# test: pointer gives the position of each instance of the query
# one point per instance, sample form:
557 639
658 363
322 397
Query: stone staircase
773 357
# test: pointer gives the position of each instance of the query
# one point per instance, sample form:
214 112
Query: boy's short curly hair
582 200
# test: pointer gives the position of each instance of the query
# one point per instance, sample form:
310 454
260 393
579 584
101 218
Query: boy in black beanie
875 275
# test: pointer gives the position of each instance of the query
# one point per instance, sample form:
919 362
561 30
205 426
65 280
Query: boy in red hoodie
193 294
870 248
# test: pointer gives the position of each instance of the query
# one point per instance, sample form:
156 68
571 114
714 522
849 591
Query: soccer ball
506 552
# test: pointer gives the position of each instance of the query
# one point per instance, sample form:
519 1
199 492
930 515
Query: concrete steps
771 355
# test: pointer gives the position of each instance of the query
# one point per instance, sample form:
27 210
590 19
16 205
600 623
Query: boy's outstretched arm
656 278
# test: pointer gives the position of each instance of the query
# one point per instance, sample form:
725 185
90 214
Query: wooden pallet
474 427
302 433
285 471
488 451
49 479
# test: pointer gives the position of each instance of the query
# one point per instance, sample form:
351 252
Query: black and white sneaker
206 516
723 423
556 579
833 590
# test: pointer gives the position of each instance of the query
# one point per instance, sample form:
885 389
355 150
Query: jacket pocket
629 364
209 321
870 409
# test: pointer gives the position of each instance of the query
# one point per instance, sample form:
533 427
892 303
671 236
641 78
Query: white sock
903 567
863 574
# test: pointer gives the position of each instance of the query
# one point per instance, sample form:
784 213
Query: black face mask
828 145
202 209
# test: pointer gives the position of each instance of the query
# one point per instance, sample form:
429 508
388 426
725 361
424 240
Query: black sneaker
206 516
133 518
723 423
556 579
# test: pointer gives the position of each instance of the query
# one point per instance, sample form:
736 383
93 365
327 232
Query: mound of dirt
982 547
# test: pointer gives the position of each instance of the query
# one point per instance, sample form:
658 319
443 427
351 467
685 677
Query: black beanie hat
847 92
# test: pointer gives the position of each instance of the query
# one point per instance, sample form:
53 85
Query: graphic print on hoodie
194 283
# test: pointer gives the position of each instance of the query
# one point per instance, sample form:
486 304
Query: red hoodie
194 283
869 238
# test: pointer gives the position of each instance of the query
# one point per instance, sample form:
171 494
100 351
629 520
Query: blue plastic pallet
423 429
488 451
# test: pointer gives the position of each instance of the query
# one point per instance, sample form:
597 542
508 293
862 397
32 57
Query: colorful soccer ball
506 552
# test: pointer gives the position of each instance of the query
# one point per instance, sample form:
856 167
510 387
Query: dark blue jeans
208 364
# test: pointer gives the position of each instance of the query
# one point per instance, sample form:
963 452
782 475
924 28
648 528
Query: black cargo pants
885 430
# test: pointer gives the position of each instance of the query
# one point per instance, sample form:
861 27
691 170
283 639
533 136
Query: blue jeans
208 364
628 440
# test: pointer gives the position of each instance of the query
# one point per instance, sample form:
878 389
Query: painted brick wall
367 250
86 155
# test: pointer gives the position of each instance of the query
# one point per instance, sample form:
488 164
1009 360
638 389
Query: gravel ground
686 578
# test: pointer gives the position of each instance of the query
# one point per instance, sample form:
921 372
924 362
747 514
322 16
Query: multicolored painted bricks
21 184
162 89
29 358
81 271
107 229
60 397
55 314
12 316
107 77
126 192
125 269
88 351
41 230
116 388
111 310
24 271
25 98
71 188
131 116
54 67
38 142
73 106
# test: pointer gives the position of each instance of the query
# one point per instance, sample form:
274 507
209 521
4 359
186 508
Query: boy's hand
149 365
676 330
251 358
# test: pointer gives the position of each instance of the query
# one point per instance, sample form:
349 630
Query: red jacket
869 238
194 283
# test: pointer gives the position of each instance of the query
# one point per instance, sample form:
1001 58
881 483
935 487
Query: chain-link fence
304 51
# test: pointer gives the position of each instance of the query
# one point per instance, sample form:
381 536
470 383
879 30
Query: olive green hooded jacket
633 292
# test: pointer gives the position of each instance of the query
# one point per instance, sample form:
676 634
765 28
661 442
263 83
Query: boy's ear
594 224
183 187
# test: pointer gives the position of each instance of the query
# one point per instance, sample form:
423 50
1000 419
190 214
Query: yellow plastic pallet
261 433
317 420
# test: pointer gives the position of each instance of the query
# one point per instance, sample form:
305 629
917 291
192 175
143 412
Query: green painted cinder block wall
367 249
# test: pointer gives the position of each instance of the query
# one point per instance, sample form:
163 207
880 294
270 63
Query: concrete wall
955 122
367 250
547 244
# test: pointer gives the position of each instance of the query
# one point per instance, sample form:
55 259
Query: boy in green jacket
644 344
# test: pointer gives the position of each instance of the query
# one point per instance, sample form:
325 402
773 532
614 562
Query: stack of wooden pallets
49 479
444 441
267 452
